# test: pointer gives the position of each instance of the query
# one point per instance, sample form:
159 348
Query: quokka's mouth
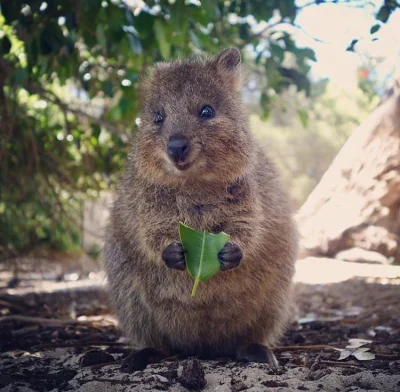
182 166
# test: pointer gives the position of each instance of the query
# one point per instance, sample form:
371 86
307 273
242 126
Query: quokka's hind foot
256 352
138 360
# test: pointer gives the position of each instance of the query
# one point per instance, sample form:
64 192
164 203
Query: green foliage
201 253
303 135
386 10
70 76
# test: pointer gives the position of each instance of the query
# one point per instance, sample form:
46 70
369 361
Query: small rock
95 357
350 371
238 385
161 378
161 387
170 374
55 379
139 359
192 376
318 374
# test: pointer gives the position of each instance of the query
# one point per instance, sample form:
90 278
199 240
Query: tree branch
53 98
260 33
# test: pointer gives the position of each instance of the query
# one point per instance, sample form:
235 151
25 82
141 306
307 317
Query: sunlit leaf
201 253
355 342
211 8
195 39
277 51
375 28
344 354
362 354
163 43
303 116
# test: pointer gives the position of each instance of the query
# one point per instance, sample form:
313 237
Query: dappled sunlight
319 270
37 285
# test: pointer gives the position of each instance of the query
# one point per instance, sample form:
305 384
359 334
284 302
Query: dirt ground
57 333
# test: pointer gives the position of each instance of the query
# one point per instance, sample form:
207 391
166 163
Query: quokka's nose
178 147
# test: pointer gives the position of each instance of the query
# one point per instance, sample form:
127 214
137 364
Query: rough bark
357 202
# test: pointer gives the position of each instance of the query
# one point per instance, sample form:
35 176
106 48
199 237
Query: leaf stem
196 283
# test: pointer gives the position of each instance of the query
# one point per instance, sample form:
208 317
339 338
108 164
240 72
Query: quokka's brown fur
230 187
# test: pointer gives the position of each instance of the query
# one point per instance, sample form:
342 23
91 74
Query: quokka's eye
207 112
158 118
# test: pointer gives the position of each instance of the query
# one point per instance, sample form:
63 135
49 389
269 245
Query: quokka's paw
138 360
230 256
256 352
174 256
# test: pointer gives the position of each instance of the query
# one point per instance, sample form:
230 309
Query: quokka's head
193 126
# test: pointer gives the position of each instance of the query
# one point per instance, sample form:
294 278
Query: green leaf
265 103
244 31
353 43
287 9
163 43
115 113
210 8
258 57
306 52
201 253
292 76
383 14
303 116
136 45
144 24
195 39
19 76
375 28
277 51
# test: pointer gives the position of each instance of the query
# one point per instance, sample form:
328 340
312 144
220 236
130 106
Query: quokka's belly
223 323
206 333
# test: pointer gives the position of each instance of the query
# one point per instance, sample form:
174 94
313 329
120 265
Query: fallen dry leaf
356 350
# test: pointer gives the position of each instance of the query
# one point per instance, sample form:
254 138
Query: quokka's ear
228 65
148 75
229 60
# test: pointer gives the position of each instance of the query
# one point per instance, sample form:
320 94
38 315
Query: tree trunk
357 202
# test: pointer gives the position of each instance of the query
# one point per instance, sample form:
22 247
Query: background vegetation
70 74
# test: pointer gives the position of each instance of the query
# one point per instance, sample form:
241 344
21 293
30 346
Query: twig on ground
339 364
25 330
392 357
308 347
100 365
39 320
76 344
11 305
171 358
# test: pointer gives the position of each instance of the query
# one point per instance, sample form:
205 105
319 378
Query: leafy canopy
70 74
